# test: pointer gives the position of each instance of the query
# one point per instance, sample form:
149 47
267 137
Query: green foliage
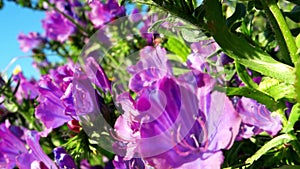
255 94
277 141
297 83
178 47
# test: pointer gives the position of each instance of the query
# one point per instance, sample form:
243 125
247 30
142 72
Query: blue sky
15 19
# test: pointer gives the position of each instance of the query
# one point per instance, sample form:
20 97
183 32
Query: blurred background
15 20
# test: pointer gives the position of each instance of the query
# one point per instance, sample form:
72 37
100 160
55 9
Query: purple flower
63 159
103 13
57 27
69 92
96 74
84 95
176 122
225 59
13 141
32 139
256 118
136 16
120 163
27 89
152 66
32 41
56 92
11 146
64 6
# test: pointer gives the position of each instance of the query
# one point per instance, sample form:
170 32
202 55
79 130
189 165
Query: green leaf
244 76
257 95
294 14
295 1
178 47
297 83
155 26
282 90
277 141
277 89
11 107
240 50
293 118
298 41
121 2
267 83
193 35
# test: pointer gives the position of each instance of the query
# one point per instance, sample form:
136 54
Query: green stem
283 34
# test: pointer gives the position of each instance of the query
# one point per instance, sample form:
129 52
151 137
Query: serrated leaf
277 141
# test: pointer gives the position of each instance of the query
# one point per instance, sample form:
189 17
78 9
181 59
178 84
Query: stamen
181 153
183 142
195 140
201 123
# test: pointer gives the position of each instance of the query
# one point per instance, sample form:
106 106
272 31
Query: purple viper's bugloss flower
11 146
63 159
38 155
67 92
96 74
120 163
57 27
256 118
27 89
101 13
152 66
175 122
56 105
31 41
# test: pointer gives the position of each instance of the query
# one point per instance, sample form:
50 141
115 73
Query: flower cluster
150 90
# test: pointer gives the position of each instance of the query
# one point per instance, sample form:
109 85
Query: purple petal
63 159
96 74
31 41
32 139
57 27
256 114
103 13
152 66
